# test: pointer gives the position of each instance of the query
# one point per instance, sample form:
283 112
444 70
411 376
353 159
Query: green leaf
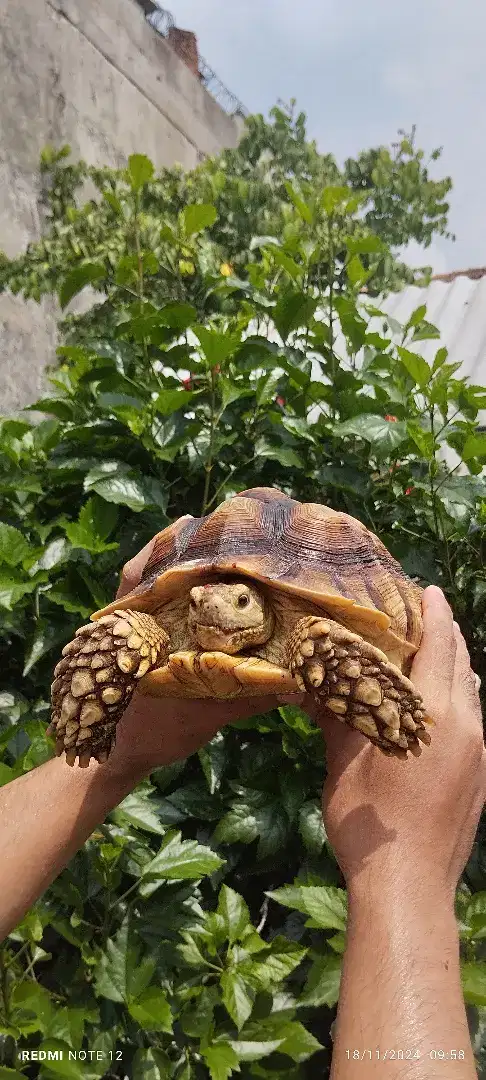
353 326
179 859
63 1066
473 978
423 439
323 981
334 197
121 973
191 952
384 435
216 345
46 637
169 401
298 1043
476 912
234 912
325 904
425 332
236 998
253 1049
283 454
117 483
35 999
356 272
55 552
416 317
196 217
97 519
140 171
13 588
138 810
14 548
152 1064
270 965
304 210
475 446
220 1059
295 309
416 366
213 758
245 822
90 273
440 359
152 1010
365 245
311 826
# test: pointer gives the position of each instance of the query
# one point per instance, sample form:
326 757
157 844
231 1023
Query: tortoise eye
243 600
193 602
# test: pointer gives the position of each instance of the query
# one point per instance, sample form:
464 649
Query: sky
361 71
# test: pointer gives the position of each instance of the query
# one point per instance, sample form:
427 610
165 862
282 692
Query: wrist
401 885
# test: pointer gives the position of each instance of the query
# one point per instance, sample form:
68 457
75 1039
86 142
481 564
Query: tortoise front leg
96 678
357 682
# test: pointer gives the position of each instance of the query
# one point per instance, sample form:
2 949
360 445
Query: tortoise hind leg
358 683
96 678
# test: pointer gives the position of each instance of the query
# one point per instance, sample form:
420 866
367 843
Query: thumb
433 667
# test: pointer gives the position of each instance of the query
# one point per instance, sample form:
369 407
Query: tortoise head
229 617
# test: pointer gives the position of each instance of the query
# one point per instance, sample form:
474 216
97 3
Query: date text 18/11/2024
404 1055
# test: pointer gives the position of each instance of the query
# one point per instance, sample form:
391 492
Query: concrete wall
94 74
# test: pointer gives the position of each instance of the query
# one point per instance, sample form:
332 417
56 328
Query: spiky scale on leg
89 700
358 683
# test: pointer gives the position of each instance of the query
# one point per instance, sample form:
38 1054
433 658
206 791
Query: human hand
412 822
158 731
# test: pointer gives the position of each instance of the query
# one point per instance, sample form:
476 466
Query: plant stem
209 460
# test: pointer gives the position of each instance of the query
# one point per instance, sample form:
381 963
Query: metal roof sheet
458 309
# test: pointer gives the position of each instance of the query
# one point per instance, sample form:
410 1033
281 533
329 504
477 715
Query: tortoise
264 595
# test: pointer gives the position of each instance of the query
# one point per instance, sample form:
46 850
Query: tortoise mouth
231 640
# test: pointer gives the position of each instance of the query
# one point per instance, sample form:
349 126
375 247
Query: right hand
412 820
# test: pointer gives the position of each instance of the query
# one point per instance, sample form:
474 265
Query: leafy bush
200 930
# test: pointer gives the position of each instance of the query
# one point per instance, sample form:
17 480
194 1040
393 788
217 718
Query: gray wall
94 74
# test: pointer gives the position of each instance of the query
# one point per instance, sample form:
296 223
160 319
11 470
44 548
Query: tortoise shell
306 549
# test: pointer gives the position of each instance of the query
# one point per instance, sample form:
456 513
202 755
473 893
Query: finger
132 571
292 699
433 667
465 688
342 742
241 708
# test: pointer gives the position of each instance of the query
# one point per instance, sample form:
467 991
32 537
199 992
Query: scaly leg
96 678
357 682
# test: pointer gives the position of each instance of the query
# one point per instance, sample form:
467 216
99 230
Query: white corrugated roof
457 308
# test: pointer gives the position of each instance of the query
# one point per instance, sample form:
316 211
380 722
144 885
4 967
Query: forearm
45 817
401 1002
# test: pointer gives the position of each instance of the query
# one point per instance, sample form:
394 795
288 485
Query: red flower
408 491
187 383
280 401
390 417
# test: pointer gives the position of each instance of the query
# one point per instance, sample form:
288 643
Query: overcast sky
361 71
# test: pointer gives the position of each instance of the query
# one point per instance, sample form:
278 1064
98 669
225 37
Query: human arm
47 814
402 832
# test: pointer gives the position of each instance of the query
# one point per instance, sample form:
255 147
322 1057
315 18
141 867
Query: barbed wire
163 21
